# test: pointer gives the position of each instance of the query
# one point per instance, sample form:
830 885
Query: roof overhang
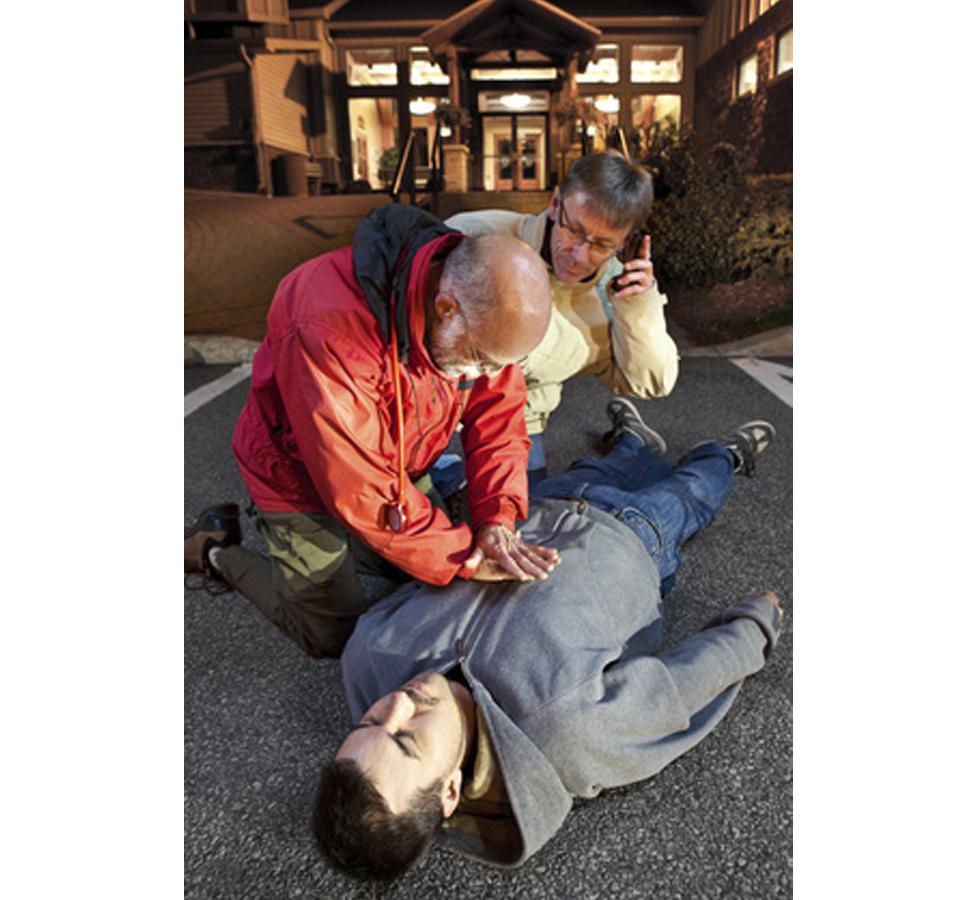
324 11
513 25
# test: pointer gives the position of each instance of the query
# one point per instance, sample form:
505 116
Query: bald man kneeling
374 354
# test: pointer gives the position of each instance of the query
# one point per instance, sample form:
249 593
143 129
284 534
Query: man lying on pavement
482 709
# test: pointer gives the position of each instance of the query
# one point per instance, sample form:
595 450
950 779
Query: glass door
514 152
503 163
530 138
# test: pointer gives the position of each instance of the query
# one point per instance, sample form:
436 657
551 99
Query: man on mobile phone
607 312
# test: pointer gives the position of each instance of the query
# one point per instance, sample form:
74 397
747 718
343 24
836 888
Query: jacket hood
385 244
538 800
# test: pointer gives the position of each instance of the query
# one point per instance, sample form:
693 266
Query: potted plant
449 115
387 164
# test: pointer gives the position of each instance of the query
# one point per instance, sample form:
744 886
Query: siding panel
726 19
283 99
217 101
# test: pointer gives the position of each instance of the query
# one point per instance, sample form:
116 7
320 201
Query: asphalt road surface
260 717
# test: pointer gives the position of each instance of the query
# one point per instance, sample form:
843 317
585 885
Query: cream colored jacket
624 342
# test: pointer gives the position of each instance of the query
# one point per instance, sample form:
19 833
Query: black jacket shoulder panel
385 244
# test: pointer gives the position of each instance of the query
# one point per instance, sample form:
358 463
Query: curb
775 342
217 350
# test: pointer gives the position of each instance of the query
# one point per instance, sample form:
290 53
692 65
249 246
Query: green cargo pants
308 586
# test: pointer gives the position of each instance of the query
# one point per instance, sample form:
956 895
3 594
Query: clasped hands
500 554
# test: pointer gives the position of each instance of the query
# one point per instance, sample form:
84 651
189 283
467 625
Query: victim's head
396 776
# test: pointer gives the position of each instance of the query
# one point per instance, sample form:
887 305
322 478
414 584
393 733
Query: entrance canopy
516 25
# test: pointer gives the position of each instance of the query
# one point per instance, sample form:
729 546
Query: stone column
456 165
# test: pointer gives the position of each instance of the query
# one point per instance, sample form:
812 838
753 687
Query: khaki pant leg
307 587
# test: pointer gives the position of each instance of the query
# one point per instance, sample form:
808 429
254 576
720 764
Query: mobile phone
631 250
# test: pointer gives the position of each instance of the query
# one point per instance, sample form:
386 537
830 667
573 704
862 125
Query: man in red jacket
374 354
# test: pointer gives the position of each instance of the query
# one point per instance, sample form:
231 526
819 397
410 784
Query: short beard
446 360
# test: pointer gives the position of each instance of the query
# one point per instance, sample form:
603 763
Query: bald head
503 290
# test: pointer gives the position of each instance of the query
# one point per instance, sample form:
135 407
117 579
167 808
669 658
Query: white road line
772 376
196 399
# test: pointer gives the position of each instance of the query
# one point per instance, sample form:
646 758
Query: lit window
604 66
655 63
748 75
648 110
422 70
374 66
374 139
784 52
602 116
516 74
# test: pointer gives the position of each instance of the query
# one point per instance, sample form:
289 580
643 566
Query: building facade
510 92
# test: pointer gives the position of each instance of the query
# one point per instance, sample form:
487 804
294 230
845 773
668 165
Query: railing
623 146
396 183
436 161
407 171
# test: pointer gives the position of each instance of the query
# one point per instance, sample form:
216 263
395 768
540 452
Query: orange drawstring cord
395 513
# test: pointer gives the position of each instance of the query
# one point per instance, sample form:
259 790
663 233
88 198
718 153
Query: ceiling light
608 104
420 107
515 101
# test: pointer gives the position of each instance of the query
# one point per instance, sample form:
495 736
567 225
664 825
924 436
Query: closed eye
401 738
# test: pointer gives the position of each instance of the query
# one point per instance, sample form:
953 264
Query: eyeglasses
487 365
597 249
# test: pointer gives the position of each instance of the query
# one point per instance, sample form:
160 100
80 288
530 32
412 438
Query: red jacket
318 432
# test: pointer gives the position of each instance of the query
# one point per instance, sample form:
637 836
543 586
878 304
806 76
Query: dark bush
764 244
709 224
699 205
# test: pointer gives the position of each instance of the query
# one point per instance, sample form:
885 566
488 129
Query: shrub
764 244
697 209
708 225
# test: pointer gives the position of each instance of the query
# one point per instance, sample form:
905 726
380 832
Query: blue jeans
662 504
448 472
537 469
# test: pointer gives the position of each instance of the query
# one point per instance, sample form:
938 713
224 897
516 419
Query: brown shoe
217 526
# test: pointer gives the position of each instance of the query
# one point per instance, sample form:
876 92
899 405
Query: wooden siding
282 94
237 11
209 7
725 19
217 100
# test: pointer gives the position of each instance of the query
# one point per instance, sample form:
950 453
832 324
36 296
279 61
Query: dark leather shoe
217 526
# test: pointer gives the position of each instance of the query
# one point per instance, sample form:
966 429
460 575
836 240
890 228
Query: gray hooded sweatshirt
571 689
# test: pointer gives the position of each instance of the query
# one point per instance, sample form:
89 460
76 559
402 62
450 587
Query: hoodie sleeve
642 712
496 445
334 398
644 360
